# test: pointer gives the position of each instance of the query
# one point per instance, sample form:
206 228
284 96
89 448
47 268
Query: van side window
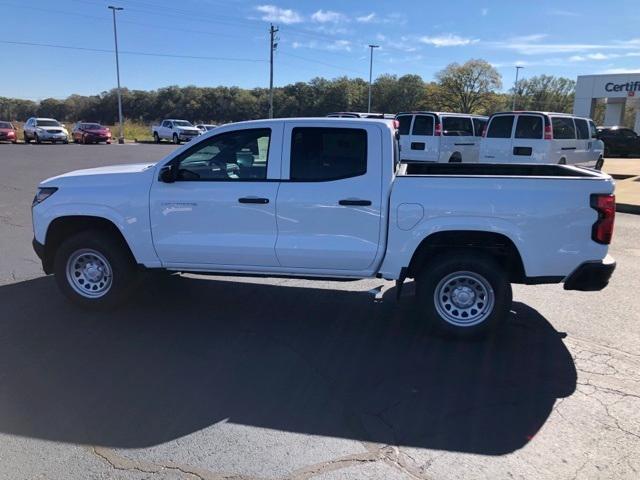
500 127
593 129
529 126
479 125
563 128
582 129
322 154
405 124
423 125
457 127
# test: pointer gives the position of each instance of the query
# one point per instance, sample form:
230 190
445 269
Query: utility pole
371 47
273 44
515 88
115 37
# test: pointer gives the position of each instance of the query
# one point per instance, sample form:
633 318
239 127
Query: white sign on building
616 89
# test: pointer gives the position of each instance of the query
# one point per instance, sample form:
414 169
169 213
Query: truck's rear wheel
156 137
94 270
176 139
463 294
600 163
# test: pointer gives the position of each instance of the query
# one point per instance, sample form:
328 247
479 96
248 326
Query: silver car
45 130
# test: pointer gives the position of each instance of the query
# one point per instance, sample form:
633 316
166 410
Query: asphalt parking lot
226 378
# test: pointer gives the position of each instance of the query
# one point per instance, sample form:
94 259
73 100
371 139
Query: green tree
546 93
467 88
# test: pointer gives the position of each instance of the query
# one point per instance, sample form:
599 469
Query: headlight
42 194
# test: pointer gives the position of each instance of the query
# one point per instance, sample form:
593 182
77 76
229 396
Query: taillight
438 130
396 124
548 132
605 205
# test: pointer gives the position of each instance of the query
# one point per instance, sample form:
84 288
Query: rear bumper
591 276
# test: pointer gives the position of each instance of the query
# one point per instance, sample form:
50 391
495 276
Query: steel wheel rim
89 273
464 299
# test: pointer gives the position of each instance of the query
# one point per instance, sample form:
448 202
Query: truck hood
99 173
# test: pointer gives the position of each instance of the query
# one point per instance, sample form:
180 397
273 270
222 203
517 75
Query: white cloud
271 13
366 18
448 40
340 45
592 56
335 46
532 45
621 70
328 16
563 13
484 12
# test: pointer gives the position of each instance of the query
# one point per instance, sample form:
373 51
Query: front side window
322 154
593 129
238 155
582 129
423 125
405 124
529 126
500 127
563 128
457 127
478 126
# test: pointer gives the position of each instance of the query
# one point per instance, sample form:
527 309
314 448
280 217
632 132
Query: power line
130 52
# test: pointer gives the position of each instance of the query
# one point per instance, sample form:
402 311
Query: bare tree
467 88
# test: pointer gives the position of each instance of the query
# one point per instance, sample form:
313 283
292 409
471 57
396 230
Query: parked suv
45 130
619 141
440 137
541 137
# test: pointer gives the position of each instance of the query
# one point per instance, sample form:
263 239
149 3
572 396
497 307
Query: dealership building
616 90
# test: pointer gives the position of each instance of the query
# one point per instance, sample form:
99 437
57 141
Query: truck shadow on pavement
188 353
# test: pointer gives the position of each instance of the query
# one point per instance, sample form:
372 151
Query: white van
541 137
439 136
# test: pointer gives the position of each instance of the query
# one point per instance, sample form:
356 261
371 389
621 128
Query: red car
8 133
85 132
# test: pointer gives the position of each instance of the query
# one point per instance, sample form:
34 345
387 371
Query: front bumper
52 136
187 136
591 276
40 252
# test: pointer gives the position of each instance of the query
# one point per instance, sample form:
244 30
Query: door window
593 129
237 155
529 126
322 154
563 128
405 124
479 125
500 127
423 125
457 127
582 129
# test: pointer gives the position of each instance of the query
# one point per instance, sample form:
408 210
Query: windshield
182 123
91 126
5 125
47 123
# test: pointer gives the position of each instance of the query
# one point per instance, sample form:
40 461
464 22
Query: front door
457 136
564 138
528 140
329 208
220 210
496 146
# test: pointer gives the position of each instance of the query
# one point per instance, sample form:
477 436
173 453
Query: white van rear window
500 127
457 127
529 126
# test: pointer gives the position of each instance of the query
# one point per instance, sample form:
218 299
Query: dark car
8 133
619 141
86 132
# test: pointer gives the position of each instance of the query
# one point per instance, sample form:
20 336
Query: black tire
37 139
455 158
563 161
176 139
600 163
469 271
119 263
26 139
156 138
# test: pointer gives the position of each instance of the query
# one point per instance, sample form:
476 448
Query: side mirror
167 174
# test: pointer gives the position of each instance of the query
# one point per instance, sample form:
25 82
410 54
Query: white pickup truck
328 198
175 130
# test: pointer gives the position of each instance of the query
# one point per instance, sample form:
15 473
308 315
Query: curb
628 208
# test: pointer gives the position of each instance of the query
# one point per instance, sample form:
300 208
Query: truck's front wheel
464 294
94 270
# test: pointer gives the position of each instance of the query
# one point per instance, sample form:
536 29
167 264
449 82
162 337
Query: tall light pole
515 87
371 47
115 37
273 44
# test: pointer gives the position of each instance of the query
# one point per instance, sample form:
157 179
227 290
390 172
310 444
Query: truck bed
496 169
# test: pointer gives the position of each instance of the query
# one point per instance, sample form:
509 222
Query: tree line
472 87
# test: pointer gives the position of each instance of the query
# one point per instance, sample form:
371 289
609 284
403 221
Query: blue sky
328 38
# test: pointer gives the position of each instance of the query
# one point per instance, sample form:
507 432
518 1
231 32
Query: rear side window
423 125
405 124
321 154
563 128
478 125
593 129
457 127
582 129
529 126
500 127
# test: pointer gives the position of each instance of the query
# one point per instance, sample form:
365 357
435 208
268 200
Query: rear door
457 136
404 130
330 203
584 151
528 144
564 139
496 146
423 144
